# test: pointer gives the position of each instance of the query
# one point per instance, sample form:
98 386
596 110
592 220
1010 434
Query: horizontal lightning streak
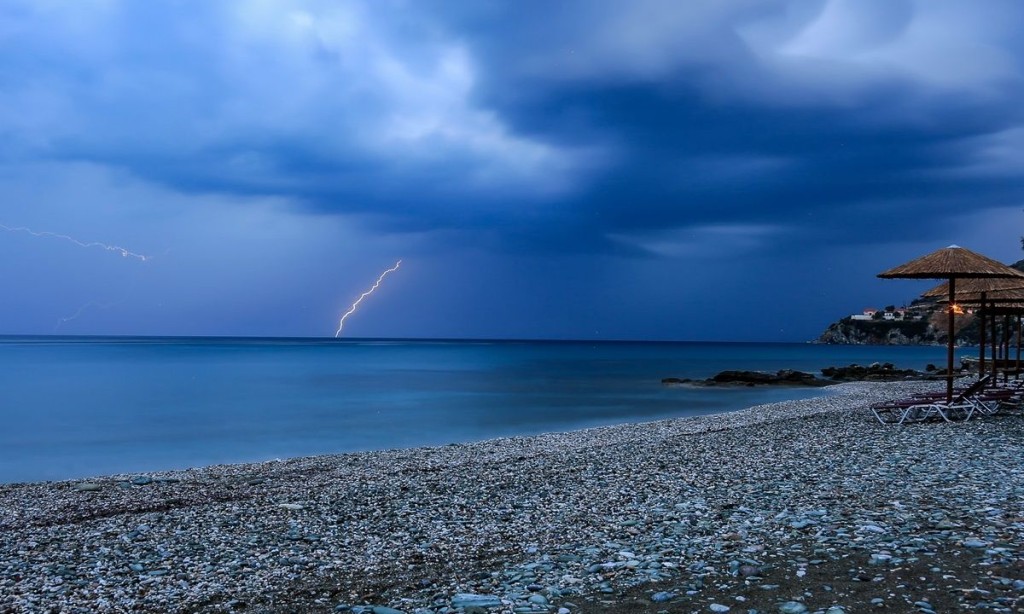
45 234
355 305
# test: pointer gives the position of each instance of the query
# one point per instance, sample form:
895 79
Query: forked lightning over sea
355 305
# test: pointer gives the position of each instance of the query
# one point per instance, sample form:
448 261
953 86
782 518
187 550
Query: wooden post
1007 331
981 334
949 345
1017 370
995 362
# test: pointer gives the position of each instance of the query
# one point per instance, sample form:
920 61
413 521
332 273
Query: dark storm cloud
687 163
718 131
580 126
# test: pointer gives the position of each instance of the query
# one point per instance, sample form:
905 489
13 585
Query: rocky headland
926 324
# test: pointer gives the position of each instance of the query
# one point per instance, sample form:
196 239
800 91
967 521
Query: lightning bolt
52 235
355 305
75 315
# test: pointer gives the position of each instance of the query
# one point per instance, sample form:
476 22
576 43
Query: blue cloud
594 117
651 130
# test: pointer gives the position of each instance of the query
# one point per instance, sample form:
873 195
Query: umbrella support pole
951 340
1016 374
995 363
1007 332
982 314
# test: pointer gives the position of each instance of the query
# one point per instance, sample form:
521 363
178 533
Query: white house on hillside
890 316
868 314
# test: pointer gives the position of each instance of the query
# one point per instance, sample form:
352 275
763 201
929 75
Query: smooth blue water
76 407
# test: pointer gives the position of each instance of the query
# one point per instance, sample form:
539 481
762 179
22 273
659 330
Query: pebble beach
801 506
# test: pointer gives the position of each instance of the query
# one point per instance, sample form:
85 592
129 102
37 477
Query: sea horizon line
330 340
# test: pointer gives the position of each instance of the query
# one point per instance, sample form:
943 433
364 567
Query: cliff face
861 332
929 331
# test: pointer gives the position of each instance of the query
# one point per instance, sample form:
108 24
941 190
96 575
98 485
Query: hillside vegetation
929 330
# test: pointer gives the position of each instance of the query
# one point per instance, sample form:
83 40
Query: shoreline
562 520
249 457
121 406
173 474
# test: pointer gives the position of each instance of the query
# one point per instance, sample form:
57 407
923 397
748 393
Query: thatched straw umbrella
951 263
985 292
968 289
995 297
1010 308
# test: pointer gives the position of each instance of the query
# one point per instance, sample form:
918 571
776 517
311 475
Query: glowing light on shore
355 305
126 253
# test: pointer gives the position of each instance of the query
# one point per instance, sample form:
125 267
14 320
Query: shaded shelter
1009 309
1006 302
969 288
986 293
952 263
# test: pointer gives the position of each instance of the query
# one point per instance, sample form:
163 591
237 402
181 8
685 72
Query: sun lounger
922 408
991 401
986 402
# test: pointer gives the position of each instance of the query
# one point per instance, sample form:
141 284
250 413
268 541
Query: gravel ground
803 506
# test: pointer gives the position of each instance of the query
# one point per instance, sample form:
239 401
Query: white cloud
832 52
334 79
941 44
409 103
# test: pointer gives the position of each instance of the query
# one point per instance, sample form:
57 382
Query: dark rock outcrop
875 372
786 377
753 378
879 332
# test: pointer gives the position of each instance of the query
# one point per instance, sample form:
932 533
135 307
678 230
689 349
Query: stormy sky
663 170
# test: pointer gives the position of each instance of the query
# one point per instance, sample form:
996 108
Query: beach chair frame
924 408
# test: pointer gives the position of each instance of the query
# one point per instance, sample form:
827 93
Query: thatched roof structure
971 288
1013 295
1008 309
951 262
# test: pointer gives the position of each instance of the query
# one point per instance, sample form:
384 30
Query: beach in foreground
799 506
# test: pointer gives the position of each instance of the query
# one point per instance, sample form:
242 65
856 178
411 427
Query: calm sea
76 407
